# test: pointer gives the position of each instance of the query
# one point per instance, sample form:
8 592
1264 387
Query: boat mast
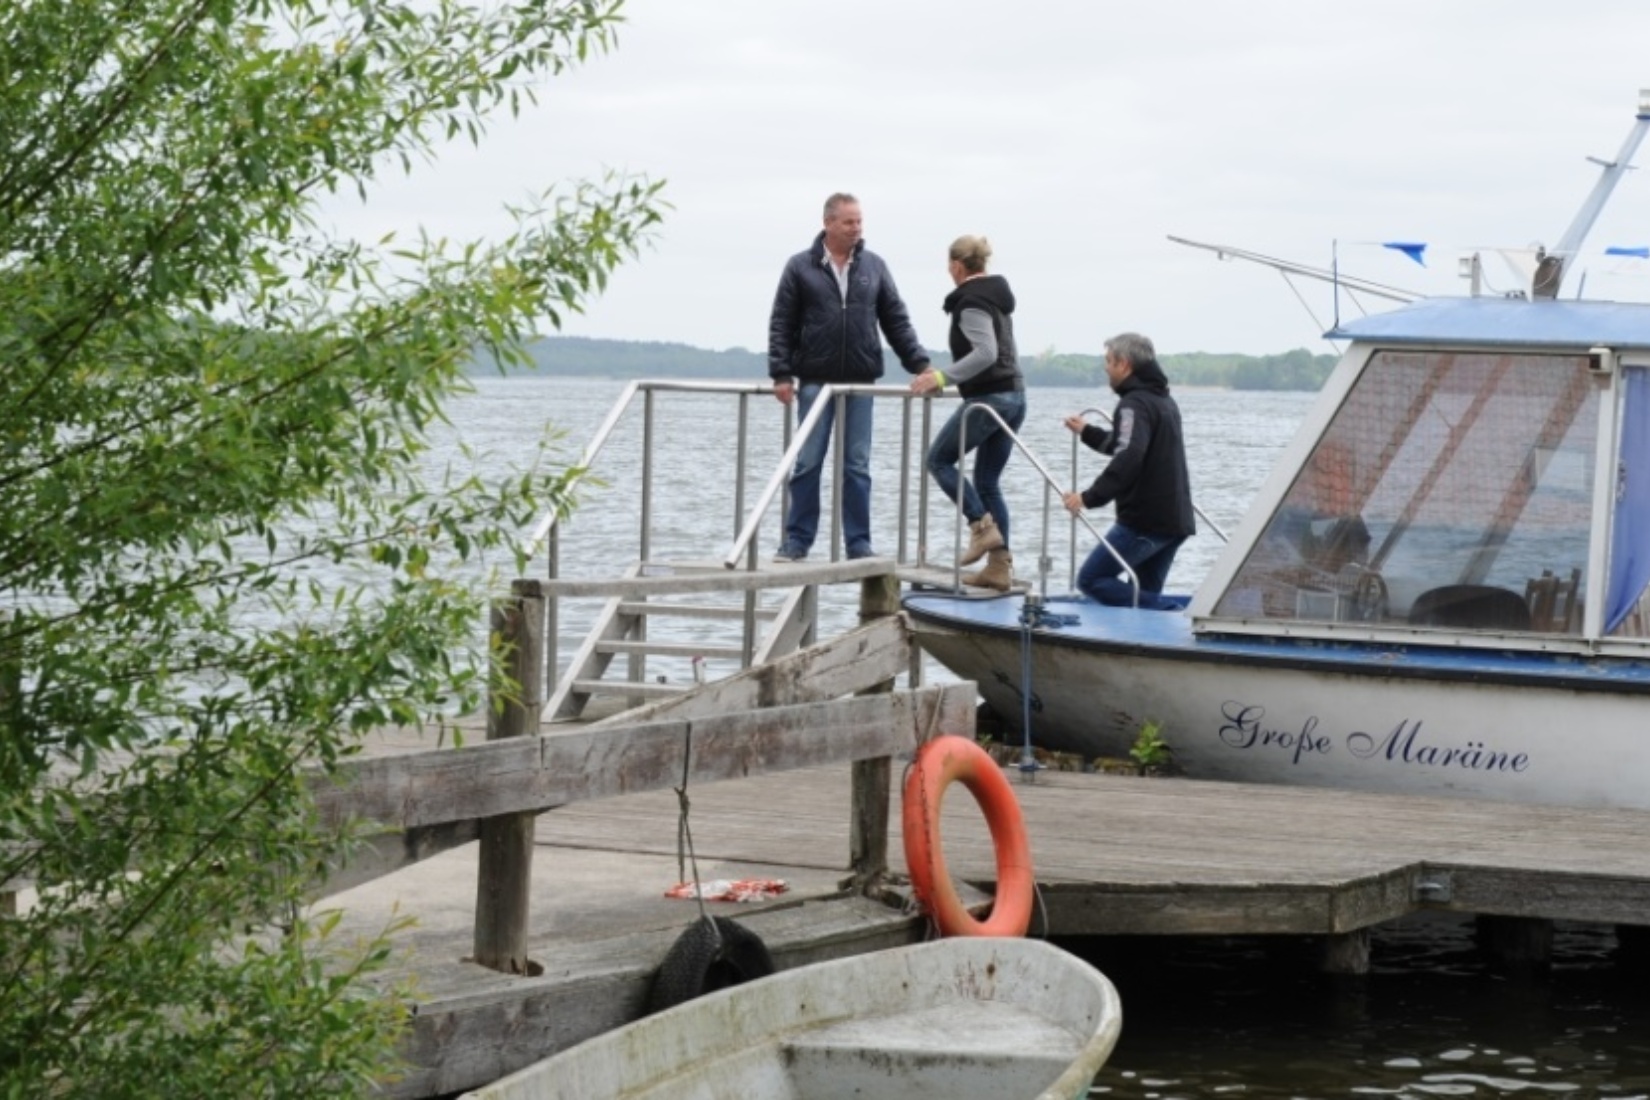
1552 267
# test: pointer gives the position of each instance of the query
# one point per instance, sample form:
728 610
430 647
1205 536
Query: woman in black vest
986 371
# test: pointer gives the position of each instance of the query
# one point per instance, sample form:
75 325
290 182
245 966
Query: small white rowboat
968 1018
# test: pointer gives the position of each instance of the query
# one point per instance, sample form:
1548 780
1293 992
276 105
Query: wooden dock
548 930
1113 855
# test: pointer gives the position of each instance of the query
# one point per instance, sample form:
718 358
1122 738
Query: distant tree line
588 357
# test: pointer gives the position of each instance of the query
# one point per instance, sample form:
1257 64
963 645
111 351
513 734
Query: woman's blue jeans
993 446
1150 556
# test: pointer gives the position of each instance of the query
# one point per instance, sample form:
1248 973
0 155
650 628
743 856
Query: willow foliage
220 557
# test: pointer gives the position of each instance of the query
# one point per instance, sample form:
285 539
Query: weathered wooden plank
1555 893
388 852
659 578
795 626
634 690
535 774
669 649
692 611
849 663
1173 908
589 663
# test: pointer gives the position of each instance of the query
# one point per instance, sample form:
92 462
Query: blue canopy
1503 322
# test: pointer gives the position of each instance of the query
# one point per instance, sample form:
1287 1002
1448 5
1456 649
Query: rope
921 736
1032 614
684 836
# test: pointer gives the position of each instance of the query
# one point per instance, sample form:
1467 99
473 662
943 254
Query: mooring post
1515 943
868 829
1345 953
505 876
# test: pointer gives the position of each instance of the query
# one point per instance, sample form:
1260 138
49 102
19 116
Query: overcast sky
1076 135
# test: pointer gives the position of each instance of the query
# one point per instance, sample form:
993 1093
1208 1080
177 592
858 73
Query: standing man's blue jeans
981 496
1150 556
802 519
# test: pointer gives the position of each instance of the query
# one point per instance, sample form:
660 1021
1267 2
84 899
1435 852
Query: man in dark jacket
832 299
1147 477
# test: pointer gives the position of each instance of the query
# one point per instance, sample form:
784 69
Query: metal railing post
552 614
900 547
922 485
839 463
747 626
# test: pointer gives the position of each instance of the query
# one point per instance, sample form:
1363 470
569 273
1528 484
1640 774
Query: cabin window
1627 602
1451 490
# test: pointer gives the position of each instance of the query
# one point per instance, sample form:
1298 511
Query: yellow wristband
941 378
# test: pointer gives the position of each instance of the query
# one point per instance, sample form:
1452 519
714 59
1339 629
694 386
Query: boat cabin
1477 471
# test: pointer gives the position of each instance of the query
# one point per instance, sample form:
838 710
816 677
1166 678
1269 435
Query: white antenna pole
1612 171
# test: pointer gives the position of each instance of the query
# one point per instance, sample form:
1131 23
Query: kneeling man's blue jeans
1150 556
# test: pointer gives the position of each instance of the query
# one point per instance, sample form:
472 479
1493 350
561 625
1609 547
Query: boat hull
1413 719
958 1018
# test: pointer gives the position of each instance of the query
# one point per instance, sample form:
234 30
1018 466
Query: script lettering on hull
1244 727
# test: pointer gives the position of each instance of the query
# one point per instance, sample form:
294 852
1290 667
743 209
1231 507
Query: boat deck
1113 855
1084 624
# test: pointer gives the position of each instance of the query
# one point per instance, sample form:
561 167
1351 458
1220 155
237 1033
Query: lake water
1203 1018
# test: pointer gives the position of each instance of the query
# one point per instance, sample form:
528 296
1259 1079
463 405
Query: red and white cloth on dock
726 889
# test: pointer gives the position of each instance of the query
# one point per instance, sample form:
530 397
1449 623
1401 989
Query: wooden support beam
387 852
868 813
504 878
532 774
1515 943
1345 953
860 659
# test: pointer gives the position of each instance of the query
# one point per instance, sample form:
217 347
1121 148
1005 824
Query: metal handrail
543 529
1048 482
548 528
828 393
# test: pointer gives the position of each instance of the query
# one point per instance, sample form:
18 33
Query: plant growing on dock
1149 749
221 557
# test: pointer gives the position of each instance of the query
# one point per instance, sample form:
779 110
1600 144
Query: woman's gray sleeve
981 335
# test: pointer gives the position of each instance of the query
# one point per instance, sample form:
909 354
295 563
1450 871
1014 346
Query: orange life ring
938 762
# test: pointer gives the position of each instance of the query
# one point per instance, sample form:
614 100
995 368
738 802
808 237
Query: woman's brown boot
983 537
998 572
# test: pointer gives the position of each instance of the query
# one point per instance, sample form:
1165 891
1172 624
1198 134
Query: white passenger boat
959 1019
1441 588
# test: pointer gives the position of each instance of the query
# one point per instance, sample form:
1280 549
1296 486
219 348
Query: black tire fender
714 953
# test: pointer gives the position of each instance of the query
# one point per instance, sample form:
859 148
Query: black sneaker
861 552
787 554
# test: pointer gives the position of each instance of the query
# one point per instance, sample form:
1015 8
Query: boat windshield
1451 490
